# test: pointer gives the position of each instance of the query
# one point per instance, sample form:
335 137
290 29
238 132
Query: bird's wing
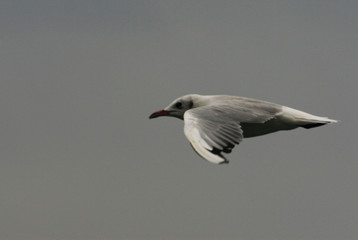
214 129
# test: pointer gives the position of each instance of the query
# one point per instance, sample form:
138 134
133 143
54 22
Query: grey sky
81 160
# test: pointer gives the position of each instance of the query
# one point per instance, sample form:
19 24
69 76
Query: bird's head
178 107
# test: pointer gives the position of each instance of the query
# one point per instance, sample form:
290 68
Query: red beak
159 114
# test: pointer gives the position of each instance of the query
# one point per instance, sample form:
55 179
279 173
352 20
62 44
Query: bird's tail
304 119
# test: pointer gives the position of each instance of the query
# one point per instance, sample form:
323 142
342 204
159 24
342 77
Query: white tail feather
299 117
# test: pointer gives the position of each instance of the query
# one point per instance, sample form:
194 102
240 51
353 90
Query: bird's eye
178 105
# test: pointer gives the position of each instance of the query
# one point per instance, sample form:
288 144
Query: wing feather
211 136
214 129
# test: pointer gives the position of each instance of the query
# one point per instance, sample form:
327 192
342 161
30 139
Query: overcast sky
80 160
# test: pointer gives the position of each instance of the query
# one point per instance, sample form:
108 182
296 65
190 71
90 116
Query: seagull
214 124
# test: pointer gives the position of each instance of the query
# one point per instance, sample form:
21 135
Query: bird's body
214 124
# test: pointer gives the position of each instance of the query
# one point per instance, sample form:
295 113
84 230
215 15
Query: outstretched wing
214 129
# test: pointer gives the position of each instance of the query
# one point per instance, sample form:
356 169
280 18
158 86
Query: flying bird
214 124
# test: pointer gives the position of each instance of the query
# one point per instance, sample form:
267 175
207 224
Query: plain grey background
81 160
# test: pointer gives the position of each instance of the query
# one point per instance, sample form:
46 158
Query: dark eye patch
178 105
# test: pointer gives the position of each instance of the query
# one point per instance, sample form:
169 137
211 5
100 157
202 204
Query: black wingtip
313 125
214 151
224 162
218 153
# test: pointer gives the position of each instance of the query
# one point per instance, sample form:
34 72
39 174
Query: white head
178 107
